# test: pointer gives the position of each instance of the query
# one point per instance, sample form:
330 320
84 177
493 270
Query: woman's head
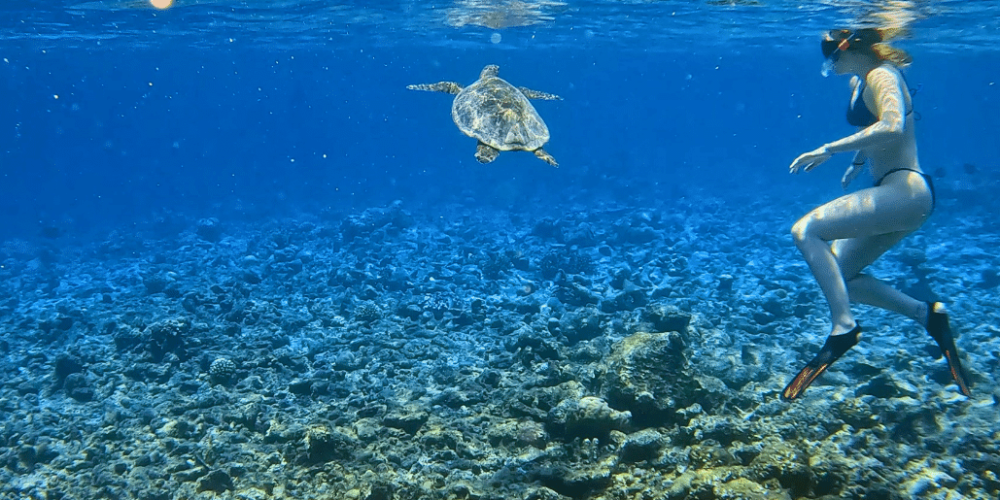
865 43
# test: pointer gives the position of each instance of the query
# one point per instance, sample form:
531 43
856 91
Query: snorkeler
839 239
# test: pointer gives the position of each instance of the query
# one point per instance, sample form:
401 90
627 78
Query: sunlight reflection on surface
663 25
499 14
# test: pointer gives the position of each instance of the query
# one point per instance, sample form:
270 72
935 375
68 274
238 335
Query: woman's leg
872 221
876 218
855 254
868 290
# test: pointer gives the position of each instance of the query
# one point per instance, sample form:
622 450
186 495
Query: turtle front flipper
446 87
535 94
546 157
485 153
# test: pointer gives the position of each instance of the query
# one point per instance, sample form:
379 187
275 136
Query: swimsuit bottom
927 179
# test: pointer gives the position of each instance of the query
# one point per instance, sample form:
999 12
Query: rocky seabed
593 351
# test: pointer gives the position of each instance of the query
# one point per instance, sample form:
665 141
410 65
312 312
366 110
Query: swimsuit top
858 113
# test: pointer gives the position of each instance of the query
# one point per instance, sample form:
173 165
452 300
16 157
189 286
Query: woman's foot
939 330
834 347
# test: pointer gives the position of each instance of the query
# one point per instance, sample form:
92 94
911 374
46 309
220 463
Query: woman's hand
810 160
850 174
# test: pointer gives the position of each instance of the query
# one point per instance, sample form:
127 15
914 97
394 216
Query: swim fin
833 349
939 330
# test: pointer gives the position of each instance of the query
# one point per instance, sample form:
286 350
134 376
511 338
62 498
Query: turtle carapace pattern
497 114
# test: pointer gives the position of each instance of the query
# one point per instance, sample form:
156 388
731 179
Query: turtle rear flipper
547 158
485 153
535 94
446 87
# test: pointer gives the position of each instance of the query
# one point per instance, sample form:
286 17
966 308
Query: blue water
129 134
113 110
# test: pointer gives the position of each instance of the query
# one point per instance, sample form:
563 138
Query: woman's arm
888 91
859 158
857 164
889 104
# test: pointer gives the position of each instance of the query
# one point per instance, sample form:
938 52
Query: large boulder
648 375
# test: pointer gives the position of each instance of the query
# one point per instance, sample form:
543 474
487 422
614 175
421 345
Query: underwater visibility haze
244 254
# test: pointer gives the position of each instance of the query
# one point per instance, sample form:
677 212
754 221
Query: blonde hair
896 56
885 52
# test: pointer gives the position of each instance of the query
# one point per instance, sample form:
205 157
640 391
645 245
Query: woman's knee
801 229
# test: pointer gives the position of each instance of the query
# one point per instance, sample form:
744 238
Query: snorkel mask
837 41
833 44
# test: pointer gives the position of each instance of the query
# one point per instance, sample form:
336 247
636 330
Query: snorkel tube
835 42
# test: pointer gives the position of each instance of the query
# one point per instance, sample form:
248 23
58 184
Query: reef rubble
607 353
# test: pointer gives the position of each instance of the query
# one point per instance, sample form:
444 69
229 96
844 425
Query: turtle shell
498 114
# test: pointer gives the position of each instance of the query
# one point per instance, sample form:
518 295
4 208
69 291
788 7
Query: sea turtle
498 114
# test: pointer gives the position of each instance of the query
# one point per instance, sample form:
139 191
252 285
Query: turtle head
490 71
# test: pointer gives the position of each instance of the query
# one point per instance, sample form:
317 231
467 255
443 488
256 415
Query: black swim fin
834 347
939 330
